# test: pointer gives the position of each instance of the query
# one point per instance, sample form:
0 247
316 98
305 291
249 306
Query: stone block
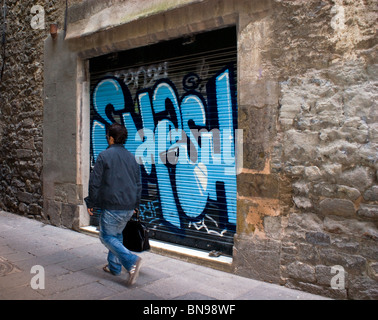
257 258
295 170
363 288
318 238
25 197
273 227
352 263
373 270
258 185
67 193
301 271
301 188
338 207
35 209
243 209
252 213
290 106
317 289
371 194
305 221
361 229
323 275
340 151
312 173
308 253
346 192
368 211
69 215
360 178
28 144
23 208
53 210
288 253
300 147
24 153
258 125
302 203
254 155
259 93
345 245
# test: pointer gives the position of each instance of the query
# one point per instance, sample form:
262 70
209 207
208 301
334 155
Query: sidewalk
72 263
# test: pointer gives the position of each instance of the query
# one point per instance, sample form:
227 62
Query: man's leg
114 265
111 226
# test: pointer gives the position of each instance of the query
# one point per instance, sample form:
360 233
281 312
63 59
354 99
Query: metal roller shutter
177 100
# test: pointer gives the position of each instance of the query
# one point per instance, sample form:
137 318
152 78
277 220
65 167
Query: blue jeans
112 223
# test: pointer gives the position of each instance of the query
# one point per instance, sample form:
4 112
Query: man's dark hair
118 132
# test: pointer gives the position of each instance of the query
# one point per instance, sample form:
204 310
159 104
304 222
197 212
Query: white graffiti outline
201 224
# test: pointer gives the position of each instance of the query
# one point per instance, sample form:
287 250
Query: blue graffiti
185 145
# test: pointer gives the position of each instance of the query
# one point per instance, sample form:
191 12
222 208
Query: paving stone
90 291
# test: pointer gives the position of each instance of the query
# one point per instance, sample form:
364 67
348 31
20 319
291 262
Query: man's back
115 180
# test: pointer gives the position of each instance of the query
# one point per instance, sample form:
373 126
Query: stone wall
329 140
308 194
21 112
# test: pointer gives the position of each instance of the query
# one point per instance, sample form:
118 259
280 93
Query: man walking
115 187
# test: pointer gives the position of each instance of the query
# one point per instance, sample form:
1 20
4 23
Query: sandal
106 269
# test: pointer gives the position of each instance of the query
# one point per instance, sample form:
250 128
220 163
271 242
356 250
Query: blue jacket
114 183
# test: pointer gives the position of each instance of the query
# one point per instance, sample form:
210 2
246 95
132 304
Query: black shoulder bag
135 234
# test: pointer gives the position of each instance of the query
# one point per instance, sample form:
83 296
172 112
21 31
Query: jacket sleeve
95 180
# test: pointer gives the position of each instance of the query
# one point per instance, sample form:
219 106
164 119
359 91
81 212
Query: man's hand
90 211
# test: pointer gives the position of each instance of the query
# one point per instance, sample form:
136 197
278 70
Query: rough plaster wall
322 159
21 111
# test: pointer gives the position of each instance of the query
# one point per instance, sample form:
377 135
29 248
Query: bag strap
136 213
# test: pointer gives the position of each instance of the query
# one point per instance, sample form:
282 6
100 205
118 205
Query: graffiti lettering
185 145
143 77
